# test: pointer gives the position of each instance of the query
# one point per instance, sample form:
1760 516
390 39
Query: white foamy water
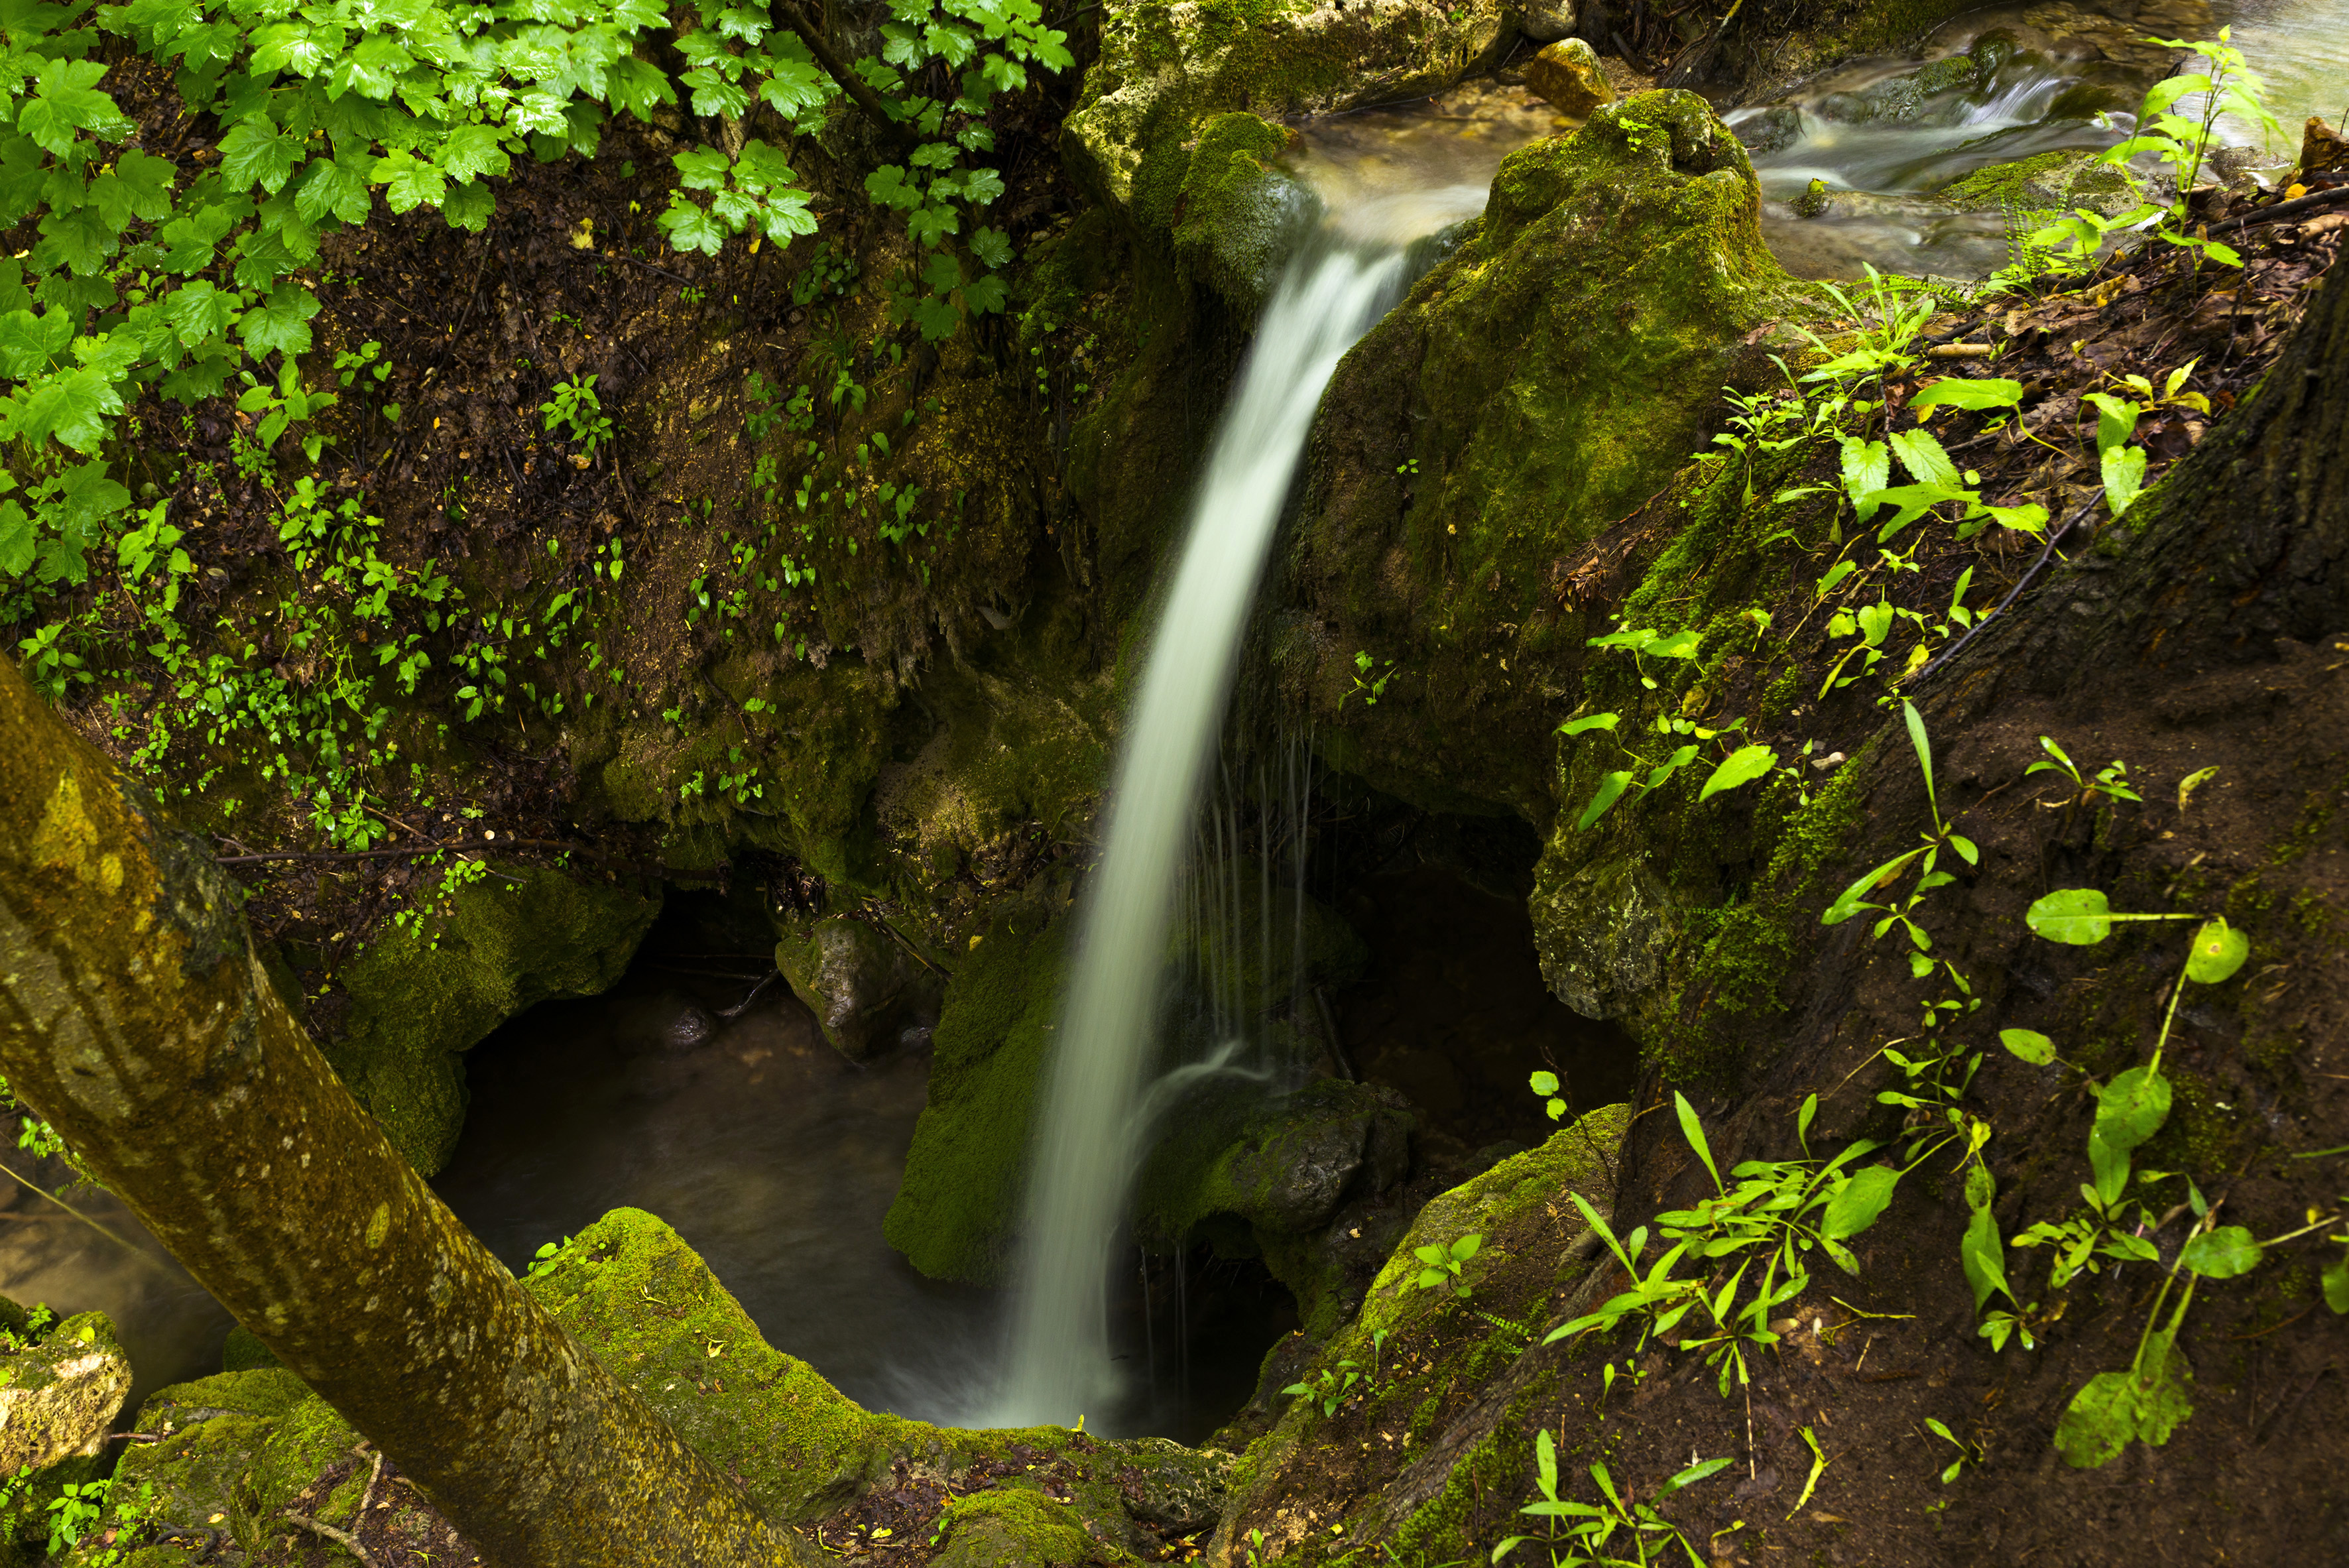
1088 1144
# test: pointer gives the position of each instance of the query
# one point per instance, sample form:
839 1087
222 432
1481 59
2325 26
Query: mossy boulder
2045 183
867 988
57 1397
210 1433
1166 66
1416 1343
510 940
1237 216
1018 1527
1535 386
959 1202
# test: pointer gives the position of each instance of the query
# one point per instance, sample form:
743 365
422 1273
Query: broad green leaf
1875 621
2077 915
2336 1273
2118 1407
1856 1206
2030 1045
702 169
1589 722
2221 1253
75 408
2123 477
1543 1083
991 246
1921 453
1981 1253
689 228
1679 645
255 152
1991 392
407 181
2219 951
281 322
2129 1110
1867 468
140 186
17 535
472 151
1610 790
1742 766
335 186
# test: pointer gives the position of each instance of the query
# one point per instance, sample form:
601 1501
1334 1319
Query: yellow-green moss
510 941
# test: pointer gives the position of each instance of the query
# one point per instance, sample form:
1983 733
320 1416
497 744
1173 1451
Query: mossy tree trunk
135 1018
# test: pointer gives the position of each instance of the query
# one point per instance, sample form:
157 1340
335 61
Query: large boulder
421 996
1537 386
868 989
58 1396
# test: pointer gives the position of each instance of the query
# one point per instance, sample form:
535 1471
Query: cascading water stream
1088 1145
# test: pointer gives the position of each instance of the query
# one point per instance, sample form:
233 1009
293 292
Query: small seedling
1443 1265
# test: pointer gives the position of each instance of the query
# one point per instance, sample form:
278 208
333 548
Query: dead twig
342 1538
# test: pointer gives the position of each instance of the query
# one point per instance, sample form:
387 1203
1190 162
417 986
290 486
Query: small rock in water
1546 21
688 1030
1812 201
1567 76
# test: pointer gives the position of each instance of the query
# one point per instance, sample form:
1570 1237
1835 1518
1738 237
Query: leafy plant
1590 1538
1441 1265
1775 1215
2227 86
1330 1387
575 406
1369 685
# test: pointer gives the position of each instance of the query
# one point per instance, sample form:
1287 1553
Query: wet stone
59 1398
1568 75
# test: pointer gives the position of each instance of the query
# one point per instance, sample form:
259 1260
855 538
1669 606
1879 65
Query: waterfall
1087 1148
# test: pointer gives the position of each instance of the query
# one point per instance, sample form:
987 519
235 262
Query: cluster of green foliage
2182 144
150 284
1588 1534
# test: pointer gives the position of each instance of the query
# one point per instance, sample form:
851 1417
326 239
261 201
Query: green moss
1016 1527
955 1208
1235 218
1437 1530
510 941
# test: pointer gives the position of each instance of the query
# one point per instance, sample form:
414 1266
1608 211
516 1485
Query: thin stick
342 1538
2053 539
137 1252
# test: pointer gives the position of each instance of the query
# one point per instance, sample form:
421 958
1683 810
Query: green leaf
1857 1205
702 169
2219 951
2030 1045
1742 766
1693 1130
2222 1254
1544 1083
281 322
690 228
1924 748
1981 1253
1921 453
73 407
1991 392
1583 725
139 186
2129 1110
2079 916
991 246
472 151
1679 645
2116 1407
407 182
2336 1273
1610 790
255 152
336 186
468 207
1867 468
2123 477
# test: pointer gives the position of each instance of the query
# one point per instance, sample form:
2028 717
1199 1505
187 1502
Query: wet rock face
59 1398
1546 21
1566 75
867 991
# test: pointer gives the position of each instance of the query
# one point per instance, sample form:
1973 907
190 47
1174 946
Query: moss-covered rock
210 1433
1409 1348
1235 216
1537 386
1166 67
510 940
2045 183
1016 1527
59 1396
959 1202
865 988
